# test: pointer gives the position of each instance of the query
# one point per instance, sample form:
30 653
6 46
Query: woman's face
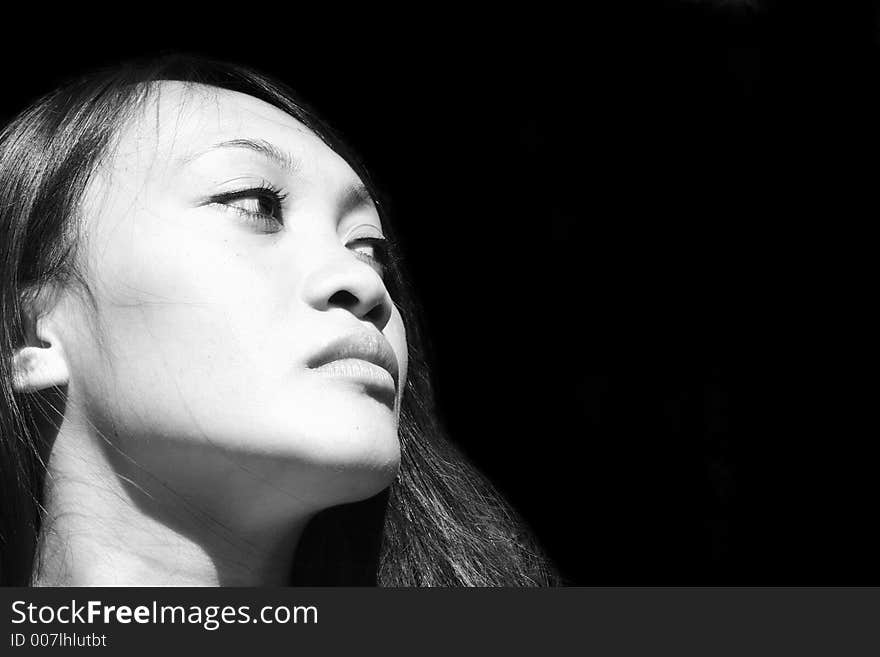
230 253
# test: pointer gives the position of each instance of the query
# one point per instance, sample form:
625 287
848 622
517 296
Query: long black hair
441 523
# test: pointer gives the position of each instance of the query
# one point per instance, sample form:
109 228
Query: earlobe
37 368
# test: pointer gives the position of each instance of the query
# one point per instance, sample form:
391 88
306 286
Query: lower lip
359 370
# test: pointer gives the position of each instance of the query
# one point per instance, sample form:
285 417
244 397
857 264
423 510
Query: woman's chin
352 475
343 459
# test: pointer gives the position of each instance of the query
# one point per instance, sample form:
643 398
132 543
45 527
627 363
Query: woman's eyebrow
262 147
355 197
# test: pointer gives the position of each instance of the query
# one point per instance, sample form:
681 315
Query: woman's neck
102 528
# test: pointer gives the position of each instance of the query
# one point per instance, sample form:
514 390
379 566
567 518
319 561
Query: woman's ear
41 365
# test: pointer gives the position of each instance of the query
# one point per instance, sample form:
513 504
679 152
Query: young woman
211 368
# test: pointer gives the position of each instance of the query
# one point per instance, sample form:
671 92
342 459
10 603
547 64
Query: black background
623 227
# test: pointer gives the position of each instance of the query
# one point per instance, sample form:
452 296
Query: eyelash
270 223
385 249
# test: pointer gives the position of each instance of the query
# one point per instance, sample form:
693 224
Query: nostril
344 299
376 315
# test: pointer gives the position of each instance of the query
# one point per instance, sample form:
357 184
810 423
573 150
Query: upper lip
371 347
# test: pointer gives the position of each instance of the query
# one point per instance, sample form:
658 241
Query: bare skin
226 245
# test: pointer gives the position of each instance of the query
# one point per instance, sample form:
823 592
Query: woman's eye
375 251
262 205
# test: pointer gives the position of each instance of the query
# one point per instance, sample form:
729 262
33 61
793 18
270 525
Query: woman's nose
351 284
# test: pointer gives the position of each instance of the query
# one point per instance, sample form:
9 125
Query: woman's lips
357 368
370 347
367 376
363 358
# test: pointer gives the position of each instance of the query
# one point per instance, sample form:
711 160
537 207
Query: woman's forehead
178 120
